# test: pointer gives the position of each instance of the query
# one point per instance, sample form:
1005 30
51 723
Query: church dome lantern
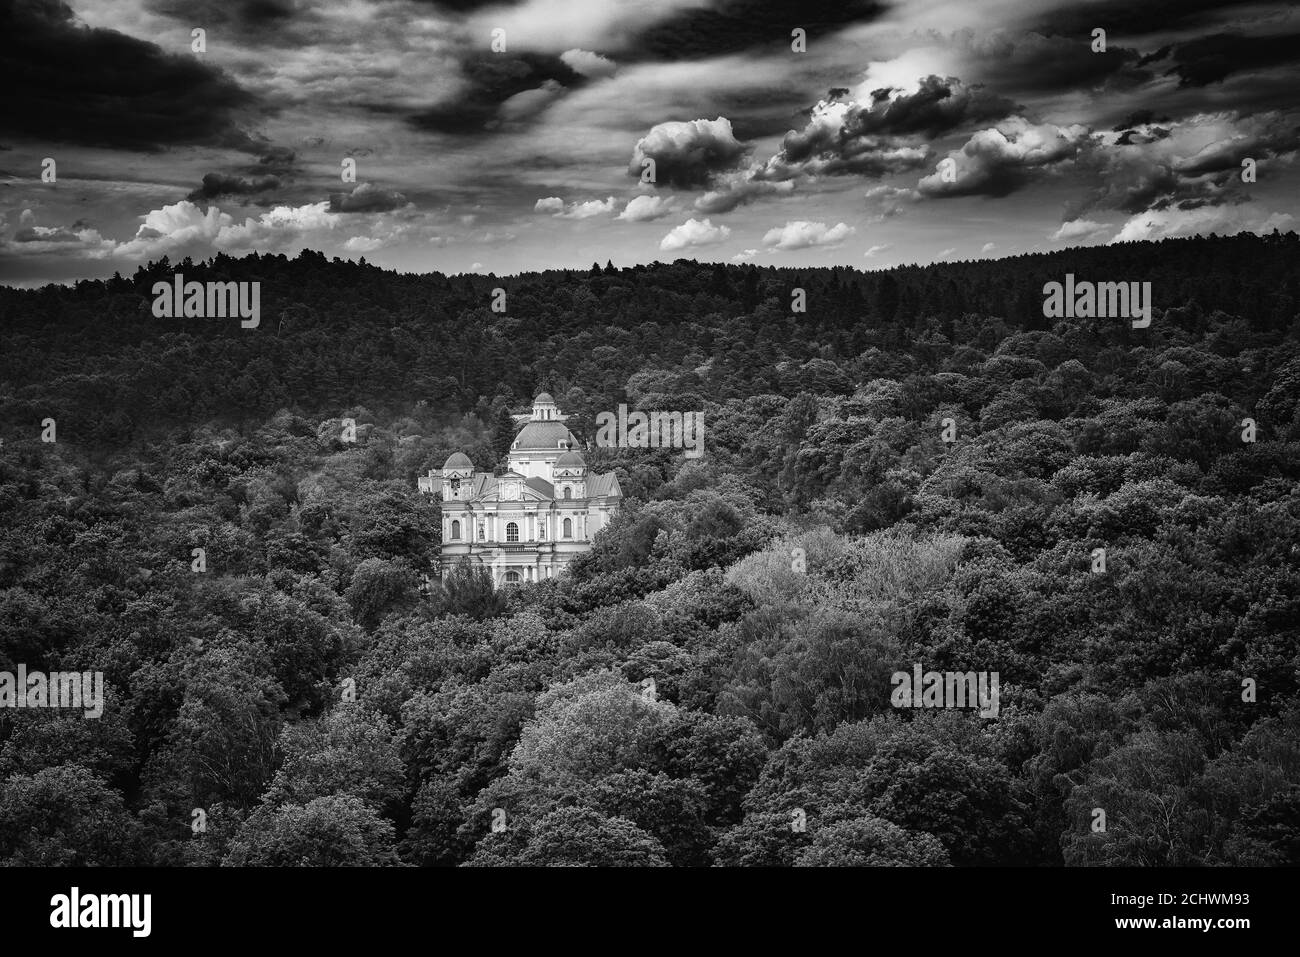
544 408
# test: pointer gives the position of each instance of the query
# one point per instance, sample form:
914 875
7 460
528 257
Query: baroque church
527 524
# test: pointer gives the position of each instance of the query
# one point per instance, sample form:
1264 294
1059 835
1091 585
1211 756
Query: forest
310 693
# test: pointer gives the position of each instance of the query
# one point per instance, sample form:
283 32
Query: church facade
529 523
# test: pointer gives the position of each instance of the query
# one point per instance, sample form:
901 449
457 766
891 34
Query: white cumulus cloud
802 234
694 232
587 63
1077 229
592 207
283 228
575 210
642 209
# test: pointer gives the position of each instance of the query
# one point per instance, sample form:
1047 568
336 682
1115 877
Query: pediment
523 493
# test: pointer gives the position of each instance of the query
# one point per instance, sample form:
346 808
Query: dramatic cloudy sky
469 159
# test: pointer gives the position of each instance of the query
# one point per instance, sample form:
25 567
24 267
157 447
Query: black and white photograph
734 436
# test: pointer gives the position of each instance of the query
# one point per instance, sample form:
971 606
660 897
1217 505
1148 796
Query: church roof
458 460
540 485
571 460
606 484
543 436
542 398
485 484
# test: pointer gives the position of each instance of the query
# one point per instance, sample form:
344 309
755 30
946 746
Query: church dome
458 460
542 435
543 398
570 460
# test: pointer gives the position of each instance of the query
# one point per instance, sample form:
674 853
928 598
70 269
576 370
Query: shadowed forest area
518 727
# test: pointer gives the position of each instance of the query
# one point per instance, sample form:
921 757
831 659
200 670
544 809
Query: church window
512 532
568 528
455 530
568 492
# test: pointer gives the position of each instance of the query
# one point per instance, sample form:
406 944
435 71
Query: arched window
568 528
455 530
568 492
512 578
512 532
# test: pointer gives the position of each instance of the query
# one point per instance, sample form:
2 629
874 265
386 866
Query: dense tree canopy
1112 528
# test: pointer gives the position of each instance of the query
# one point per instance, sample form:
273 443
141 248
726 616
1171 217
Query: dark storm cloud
253 21
1158 55
273 169
276 161
98 87
222 184
810 153
469 6
1139 118
1226 156
941 104
731 26
1146 173
766 109
887 135
1035 62
492 79
37 234
737 190
688 154
367 199
999 161
1211 59
1136 137
1141 127
1135 185
1125 18
887 132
